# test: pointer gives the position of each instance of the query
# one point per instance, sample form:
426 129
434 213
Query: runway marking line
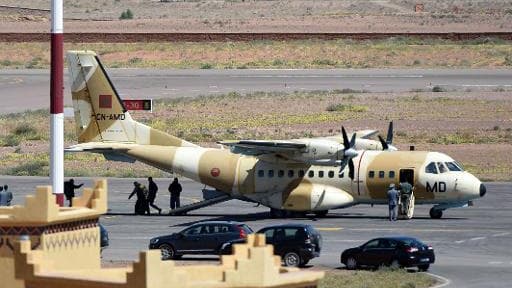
329 229
477 238
501 234
460 241
495 262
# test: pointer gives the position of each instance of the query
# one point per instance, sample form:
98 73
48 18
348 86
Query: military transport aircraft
304 175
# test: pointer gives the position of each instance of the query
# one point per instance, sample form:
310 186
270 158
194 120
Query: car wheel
291 259
423 268
436 213
394 264
167 251
351 263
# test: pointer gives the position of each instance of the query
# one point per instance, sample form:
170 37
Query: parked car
205 238
104 242
390 251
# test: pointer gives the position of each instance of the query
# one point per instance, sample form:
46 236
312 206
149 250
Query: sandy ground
265 16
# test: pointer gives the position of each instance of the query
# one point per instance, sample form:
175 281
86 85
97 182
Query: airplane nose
483 190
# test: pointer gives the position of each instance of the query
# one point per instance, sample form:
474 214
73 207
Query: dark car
103 237
390 251
205 238
295 243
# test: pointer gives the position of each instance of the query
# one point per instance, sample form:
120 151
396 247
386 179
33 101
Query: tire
394 264
423 268
291 259
168 252
351 263
435 213
321 214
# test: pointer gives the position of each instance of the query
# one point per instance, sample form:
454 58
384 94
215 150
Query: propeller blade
353 140
389 137
385 145
345 138
351 169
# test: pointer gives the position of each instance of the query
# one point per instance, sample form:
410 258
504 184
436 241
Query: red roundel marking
215 172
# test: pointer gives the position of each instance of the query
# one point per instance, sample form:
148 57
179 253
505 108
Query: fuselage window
301 173
431 168
311 174
270 173
331 174
280 173
441 167
381 174
291 173
391 174
371 174
452 166
321 174
261 173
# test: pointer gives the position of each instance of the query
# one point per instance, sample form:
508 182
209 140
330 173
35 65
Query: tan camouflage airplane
302 175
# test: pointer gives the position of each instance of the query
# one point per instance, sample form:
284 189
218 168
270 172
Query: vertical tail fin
100 115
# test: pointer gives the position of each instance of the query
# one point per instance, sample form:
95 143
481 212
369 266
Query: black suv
390 251
206 238
295 243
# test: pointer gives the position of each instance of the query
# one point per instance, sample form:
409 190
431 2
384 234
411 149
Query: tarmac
471 244
33 85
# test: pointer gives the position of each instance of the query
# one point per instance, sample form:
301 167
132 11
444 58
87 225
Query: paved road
33 85
471 244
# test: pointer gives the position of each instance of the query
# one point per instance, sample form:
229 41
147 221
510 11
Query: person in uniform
392 201
69 190
405 195
152 190
175 190
5 196
141 205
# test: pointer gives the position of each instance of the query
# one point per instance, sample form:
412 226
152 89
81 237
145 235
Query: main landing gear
280 213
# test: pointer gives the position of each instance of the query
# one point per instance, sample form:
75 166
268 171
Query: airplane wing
260 147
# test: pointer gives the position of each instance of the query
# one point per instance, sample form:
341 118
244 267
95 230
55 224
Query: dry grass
275 54
382 278
473 127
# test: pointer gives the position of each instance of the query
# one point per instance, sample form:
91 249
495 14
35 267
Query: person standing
405 196
5 196
392 201
175 190
141 205
153 189
69 190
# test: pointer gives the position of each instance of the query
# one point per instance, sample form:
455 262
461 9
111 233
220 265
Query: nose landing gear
436 213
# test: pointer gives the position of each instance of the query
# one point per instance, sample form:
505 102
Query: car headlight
154 241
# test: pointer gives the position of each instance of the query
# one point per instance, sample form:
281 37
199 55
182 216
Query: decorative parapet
59 247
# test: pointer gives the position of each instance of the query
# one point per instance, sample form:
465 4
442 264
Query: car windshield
411 242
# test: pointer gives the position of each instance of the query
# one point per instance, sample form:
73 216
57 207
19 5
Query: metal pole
57 103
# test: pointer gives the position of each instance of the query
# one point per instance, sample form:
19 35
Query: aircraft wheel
321 214
436 213
278 213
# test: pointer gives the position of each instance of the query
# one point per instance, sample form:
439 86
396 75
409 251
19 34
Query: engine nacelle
316 197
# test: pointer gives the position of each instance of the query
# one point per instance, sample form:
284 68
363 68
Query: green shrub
128 14
438 89
10 141
30 168
206 66
346 108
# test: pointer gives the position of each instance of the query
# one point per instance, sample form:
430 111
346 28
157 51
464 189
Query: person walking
152 190
392 201
69 190
5 196
141 205
175 190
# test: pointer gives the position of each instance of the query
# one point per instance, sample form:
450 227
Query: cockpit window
431 168
452 166
441 167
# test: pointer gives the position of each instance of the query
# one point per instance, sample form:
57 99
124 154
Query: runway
33 85
471 244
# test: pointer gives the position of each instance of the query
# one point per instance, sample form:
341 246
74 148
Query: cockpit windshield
441 167
453 166
431 168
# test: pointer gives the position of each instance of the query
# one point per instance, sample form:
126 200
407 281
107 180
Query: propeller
348 153
387 144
